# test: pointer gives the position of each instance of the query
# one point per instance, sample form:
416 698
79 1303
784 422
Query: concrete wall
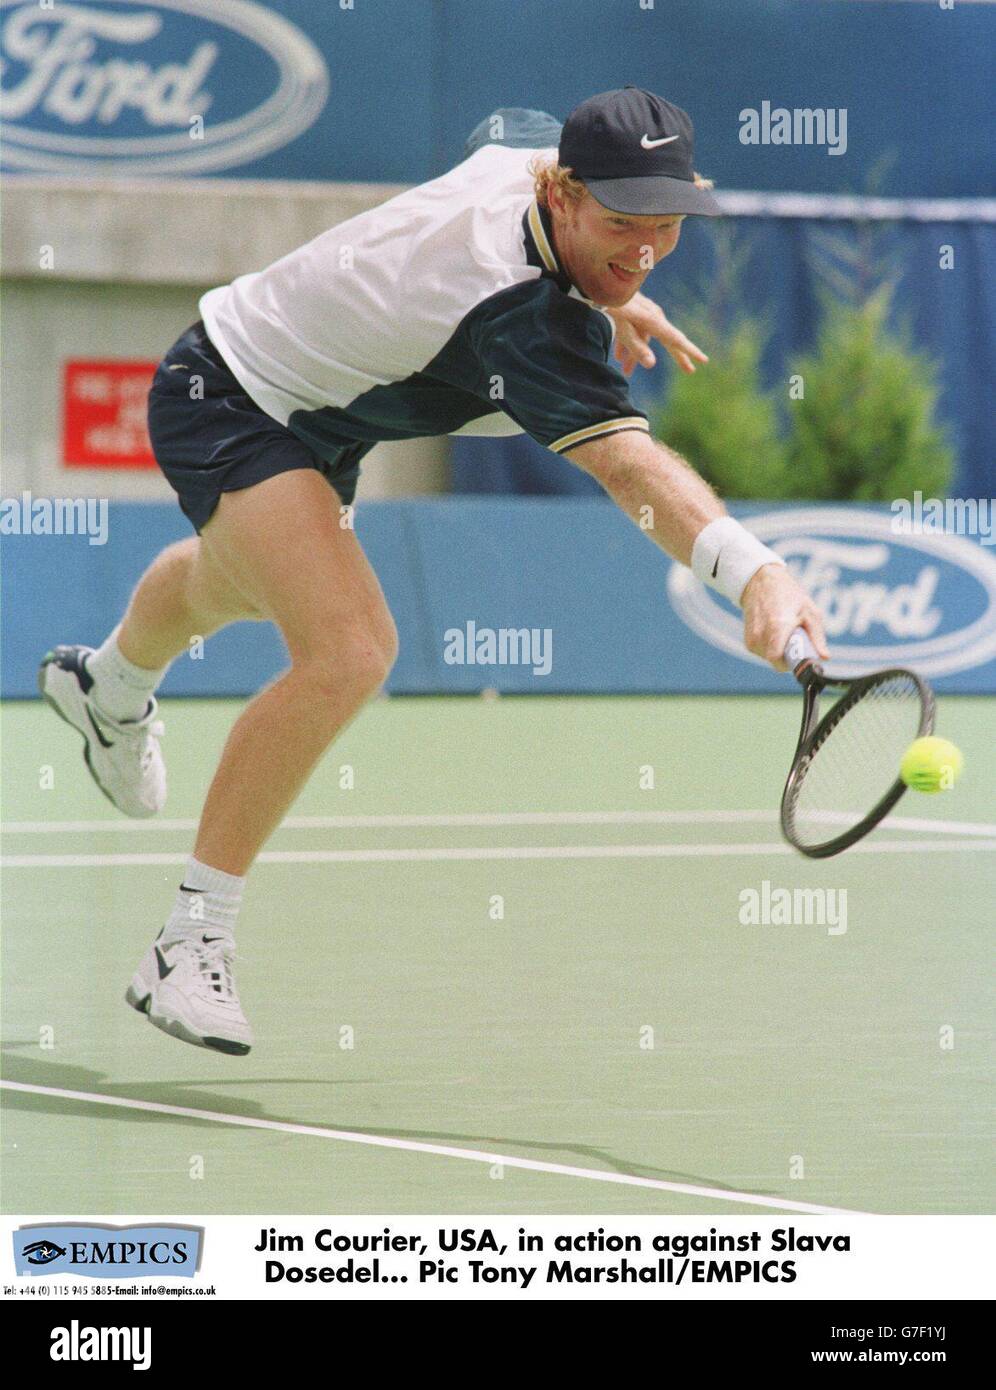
108 269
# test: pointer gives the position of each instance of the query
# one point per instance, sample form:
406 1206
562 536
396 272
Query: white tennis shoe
124 758
186 987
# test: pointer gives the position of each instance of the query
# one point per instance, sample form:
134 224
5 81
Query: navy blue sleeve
544 358
515 127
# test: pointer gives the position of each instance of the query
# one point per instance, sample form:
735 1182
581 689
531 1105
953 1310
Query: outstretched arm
688 521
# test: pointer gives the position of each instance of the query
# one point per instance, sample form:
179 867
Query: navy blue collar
537 227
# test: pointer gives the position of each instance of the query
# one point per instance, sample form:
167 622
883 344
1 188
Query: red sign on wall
103 414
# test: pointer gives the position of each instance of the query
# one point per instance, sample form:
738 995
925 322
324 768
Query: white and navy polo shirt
443 311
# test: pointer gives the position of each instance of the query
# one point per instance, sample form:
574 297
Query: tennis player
487 301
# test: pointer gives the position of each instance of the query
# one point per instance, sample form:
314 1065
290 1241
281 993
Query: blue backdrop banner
537 595
387 90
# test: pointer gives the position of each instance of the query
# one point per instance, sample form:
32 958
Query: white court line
472 819
379 1141
493 819
402 856
940 827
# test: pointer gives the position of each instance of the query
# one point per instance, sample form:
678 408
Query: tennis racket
844 777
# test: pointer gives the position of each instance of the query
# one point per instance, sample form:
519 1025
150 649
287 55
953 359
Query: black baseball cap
634 152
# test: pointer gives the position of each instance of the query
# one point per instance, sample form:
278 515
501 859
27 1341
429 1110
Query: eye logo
42 1252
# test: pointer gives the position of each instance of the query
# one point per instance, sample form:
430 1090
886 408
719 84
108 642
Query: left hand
639 321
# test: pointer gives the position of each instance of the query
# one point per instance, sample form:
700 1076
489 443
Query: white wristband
726 557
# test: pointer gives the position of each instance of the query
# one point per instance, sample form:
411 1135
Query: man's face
608 255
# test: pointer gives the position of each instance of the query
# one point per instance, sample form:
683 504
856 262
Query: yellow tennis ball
931 765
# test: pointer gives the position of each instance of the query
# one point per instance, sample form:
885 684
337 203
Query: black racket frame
815 731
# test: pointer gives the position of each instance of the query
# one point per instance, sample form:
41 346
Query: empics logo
42 1252
75 1343
104 1252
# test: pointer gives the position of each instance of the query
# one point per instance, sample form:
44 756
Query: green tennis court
502 940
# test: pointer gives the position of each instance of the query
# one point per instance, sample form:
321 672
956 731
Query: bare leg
280 544
183 594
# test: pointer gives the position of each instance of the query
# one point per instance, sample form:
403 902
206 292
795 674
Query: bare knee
353 663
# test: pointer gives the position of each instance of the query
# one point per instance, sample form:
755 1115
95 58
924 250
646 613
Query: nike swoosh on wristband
715 568
648 144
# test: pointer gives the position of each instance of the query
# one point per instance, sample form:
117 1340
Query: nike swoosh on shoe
106 743
164 969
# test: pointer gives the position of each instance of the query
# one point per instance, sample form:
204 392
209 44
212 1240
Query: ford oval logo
925 601
152 86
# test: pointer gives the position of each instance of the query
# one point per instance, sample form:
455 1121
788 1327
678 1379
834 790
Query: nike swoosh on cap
649 144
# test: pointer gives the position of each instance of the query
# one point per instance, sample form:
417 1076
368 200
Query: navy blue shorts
220 440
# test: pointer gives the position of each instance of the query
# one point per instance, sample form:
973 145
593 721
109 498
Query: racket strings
856 761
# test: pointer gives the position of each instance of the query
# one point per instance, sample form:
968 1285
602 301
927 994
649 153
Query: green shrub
721 419
865 427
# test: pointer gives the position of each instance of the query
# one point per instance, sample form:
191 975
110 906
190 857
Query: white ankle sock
121 689
206 898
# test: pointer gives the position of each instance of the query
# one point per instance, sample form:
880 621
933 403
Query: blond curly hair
547 174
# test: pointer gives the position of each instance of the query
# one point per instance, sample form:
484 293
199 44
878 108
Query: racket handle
800 654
